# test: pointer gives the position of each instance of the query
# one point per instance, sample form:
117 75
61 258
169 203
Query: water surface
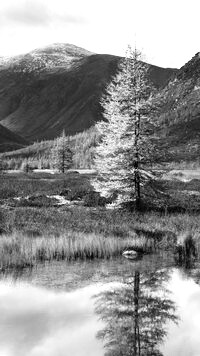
143 308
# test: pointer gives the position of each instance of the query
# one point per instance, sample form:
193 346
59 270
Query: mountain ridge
58 87
63 92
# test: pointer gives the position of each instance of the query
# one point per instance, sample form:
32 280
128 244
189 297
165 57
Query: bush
76 193
94 199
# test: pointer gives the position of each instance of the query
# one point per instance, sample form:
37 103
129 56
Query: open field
35 227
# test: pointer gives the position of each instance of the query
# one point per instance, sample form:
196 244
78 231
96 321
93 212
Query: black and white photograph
99 178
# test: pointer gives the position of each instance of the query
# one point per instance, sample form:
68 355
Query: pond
117 307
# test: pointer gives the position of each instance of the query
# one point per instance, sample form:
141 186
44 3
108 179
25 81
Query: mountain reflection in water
103 308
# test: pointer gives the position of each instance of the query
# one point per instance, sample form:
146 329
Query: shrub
94 199
74 193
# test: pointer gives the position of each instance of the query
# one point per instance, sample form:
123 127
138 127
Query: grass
33 229
86 235
24 184
54 222
81 233
178 196
18 251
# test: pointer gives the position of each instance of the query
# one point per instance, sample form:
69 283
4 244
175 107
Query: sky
166 31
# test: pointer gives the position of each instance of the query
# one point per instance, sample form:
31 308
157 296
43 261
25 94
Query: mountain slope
10 141
180 114
56 88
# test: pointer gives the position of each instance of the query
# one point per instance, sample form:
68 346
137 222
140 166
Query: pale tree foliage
62 154
126 146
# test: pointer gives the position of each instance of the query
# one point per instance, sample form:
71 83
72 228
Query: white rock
131 254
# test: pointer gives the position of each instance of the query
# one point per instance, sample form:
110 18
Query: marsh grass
177 196
19 251
36 230
24 184
35 235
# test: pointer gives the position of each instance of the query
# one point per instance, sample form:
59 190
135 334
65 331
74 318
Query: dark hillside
10 141
180 114
56 88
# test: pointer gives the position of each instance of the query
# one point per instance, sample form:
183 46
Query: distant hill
179 117
58 87
10 141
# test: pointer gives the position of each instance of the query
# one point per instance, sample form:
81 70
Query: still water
113 308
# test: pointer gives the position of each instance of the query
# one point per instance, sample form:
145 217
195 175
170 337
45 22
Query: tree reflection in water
135 314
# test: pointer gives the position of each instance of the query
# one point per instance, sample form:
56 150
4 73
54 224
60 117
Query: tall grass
81 233
18 251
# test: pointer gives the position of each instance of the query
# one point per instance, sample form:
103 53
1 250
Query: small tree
63 154
127 140
2 165
25 166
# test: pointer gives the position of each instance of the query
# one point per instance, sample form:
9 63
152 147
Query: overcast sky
167 31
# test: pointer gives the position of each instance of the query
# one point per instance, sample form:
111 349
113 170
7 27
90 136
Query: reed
19 251
187 248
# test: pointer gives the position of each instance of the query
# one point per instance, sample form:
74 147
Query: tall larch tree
124 154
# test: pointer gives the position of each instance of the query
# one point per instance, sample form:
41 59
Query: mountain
10 141
58 87
180 112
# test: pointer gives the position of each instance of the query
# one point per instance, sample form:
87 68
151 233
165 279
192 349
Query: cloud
41 322
35 13
28 13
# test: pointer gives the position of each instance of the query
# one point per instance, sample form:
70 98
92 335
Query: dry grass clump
18 251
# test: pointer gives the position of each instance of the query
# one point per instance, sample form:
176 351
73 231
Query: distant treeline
40 155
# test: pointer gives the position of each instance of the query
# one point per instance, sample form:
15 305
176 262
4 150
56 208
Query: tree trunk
137 162
137 188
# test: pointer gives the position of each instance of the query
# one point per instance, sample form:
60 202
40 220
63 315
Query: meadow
34 227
